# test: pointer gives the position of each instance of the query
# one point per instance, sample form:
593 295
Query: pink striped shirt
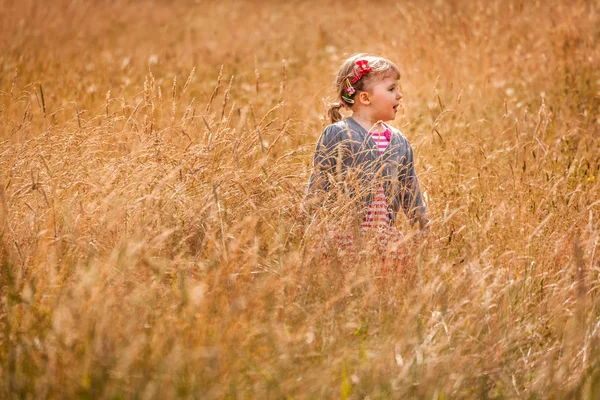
377 214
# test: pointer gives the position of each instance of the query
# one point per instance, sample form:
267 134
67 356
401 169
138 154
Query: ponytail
334 112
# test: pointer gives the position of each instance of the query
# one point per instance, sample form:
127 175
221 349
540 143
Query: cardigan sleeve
324 162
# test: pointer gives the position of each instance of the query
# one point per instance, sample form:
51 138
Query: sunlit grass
152 164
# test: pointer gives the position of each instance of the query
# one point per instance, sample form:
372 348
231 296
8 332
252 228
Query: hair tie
347 100
348 92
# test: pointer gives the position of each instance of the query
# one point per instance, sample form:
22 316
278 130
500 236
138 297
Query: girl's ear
363 97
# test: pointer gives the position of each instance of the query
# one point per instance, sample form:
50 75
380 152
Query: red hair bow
362 68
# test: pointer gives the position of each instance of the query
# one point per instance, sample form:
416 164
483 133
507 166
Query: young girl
363 159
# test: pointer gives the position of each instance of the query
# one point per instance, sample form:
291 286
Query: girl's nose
398 95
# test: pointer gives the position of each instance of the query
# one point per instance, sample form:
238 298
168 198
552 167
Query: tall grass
153 158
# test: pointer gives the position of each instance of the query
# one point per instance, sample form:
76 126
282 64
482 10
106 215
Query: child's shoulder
336 130
347 125
337 126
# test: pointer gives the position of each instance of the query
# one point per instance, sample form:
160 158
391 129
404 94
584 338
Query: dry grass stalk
216 89
138 263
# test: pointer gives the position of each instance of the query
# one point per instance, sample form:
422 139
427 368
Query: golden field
154 155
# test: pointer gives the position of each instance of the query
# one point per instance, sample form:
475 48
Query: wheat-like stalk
156 253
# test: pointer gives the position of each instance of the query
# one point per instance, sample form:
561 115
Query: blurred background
154 154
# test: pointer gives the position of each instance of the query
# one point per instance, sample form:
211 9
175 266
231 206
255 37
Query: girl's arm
412 200
323 164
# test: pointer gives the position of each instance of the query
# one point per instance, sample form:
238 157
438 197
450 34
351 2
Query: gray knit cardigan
346 146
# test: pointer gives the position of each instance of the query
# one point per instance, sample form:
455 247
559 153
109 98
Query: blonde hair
381 68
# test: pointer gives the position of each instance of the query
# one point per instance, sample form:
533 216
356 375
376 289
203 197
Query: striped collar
387 132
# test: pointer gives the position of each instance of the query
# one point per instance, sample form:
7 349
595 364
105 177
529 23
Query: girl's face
385 98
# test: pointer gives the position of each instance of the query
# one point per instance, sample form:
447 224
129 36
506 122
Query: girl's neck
368 123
